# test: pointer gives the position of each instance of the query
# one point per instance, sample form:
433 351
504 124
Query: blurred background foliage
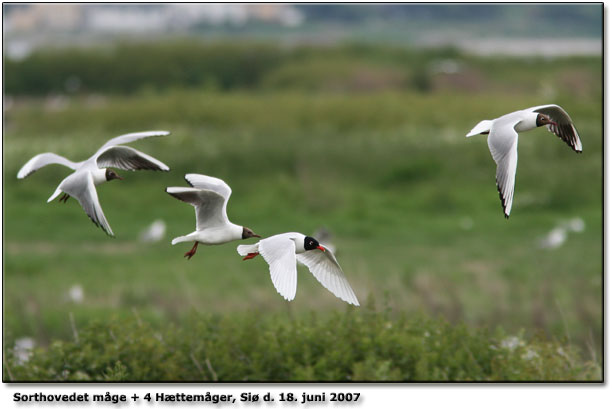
129 68
364 138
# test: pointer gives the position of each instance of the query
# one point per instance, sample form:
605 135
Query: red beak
321 248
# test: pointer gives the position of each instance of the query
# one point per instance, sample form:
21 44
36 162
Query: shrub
359 345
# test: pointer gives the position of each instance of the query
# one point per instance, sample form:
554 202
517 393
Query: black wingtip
188 182
100 227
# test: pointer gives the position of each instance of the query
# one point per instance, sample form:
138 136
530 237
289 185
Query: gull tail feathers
245 249
181 239
54 195
483 127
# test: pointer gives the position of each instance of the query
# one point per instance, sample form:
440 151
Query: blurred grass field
411 202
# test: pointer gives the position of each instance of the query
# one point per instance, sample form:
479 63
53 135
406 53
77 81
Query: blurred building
45 17
30 26
30 18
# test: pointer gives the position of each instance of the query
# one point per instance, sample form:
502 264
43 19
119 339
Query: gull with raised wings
81 184
209 196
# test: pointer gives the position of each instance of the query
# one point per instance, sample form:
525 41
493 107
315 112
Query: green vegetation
411 202
150 67
354 346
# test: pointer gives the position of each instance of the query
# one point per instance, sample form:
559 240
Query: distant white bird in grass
154 232
76 294
283 251
503 141
557 236
81 184
209 196
554 239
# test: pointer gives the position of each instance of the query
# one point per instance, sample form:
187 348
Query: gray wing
279 253
81 186
209 205
44 159
130 137
503 144
565 127
325 268
210 183
126 158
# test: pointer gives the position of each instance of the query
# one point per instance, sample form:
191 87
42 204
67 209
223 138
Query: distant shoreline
521 47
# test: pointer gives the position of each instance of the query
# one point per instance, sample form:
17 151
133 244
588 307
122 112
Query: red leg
250 256
191 252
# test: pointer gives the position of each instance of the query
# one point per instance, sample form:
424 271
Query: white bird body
213 235
209 196
283 251
94 171
98 175
521 121
503 141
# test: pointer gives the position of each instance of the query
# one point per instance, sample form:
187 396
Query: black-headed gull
209 196
503 141
81 184
283 251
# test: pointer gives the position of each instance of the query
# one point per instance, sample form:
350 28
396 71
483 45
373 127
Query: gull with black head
209 196
81 184
283 251
503 141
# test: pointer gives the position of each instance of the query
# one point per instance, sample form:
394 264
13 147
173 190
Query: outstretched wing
279 253
210 183
81 186
126 158
209 205
503 143
565 127
44 159
325 268
130 137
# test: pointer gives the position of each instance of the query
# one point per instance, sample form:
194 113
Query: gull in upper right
503 141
